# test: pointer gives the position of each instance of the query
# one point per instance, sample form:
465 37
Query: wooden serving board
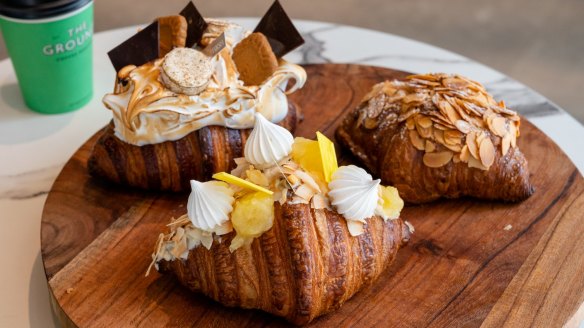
461 268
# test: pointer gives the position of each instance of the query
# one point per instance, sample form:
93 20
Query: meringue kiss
209 204
268 143
354 193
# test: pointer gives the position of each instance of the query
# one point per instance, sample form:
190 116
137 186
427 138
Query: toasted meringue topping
354 193
209 204
145 111
268 143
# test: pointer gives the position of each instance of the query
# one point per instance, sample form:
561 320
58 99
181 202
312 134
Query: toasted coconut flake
319 201
437 159
308 179
305 192
355 227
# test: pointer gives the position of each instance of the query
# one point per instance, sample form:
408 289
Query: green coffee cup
50 45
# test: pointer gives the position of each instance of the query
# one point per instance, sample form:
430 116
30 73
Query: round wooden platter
469 262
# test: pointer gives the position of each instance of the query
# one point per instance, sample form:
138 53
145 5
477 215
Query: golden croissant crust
438 135
170 165
306 265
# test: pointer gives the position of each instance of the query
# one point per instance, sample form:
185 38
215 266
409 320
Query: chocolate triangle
137 50
196 24
278 28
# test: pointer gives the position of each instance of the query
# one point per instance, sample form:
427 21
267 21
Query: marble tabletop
34 147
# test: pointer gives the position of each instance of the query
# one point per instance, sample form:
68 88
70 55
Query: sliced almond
455 148
499 126
464 154
410 123
471 142
439 135
506 143
424 121
430 146
514 132
424 132
452 137
487 152
416 140
473 162
462 126
438 159
450 112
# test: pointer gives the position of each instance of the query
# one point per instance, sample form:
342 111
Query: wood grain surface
461 268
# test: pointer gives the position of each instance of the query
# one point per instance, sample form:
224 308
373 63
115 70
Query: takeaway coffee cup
50 45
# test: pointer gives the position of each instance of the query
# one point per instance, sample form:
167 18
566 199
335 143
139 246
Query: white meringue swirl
209 204
354 193
268 143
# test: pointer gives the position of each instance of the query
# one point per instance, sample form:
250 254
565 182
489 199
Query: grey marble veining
517 96
29 184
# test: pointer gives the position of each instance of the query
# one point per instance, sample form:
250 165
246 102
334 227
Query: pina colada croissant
287 232
306 265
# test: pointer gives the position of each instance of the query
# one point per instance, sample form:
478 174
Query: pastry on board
287 232
181 107
438 136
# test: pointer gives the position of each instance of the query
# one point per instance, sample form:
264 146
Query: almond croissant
438 135
169 165
306 265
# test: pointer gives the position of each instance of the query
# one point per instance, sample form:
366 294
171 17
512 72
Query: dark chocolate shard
137 50
278 28
196 24
214 47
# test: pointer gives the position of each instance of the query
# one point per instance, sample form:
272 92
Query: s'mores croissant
186 114
438 135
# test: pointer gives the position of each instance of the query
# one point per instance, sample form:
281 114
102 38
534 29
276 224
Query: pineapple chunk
390 203
306 152
253 214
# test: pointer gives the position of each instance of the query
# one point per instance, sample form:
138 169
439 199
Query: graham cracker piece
254 59
172 33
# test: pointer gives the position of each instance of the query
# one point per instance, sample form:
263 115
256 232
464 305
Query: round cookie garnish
186 71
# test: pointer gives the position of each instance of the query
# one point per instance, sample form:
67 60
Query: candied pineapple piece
328 156
306 153
226 177
253 214
390 202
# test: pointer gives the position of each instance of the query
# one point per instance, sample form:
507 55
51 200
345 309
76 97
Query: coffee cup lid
36 9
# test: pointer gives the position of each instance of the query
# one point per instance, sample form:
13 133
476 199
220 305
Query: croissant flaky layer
424 170
170 165
306 265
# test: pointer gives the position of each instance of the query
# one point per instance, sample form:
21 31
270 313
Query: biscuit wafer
254 59
172 33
